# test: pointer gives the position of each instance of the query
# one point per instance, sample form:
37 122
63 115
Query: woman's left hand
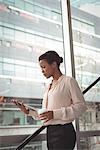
46 116
21 106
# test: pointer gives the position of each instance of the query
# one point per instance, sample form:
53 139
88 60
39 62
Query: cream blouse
65 99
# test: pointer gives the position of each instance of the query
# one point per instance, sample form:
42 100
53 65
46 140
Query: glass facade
90 143
86 36
28 28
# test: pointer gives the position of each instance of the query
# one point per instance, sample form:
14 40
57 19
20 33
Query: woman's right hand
20 105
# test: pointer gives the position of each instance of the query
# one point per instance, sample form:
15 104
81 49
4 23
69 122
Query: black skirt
61 137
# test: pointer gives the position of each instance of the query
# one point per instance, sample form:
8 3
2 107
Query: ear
54 64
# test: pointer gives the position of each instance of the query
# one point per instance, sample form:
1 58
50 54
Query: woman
63 101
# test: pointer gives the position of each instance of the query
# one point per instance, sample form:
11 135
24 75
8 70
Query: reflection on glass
86 44
15 117
40 145
11 115
90 143
91 119
36 29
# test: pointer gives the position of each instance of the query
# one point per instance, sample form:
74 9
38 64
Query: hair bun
61 59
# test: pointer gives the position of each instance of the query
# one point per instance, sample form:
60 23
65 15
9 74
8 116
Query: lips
44 74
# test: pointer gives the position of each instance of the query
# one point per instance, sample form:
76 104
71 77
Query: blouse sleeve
77 107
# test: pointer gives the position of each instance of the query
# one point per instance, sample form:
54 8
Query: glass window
23 42
8 33
12 118
6 30
9 25
8 69
56 16
0 42
0 59
29 38
20 4
90 143
86 63
38 10
20 36
20 62
19 28
39 40
30 72
1 31
19 71
0 68
29 7
85 26
8 43
11 2
8 60
47 13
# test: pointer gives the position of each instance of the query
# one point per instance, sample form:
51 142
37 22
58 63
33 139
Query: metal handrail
28 139
91 85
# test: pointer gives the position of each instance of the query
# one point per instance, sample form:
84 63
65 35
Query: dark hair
51 56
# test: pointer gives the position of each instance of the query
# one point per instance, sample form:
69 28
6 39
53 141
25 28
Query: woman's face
47 69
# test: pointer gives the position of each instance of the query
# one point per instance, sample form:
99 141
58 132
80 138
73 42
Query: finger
44 113
17 103
13 100
23 107
43 117
4 100
46 120
22 104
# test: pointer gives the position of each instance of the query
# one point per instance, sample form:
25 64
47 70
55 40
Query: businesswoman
63 102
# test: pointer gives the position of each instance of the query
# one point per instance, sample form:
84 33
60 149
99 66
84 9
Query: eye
42 67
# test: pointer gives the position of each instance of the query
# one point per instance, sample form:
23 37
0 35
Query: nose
42 71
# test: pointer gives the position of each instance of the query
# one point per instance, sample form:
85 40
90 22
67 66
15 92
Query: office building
28 28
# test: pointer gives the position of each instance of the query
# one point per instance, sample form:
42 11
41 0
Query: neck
57 75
